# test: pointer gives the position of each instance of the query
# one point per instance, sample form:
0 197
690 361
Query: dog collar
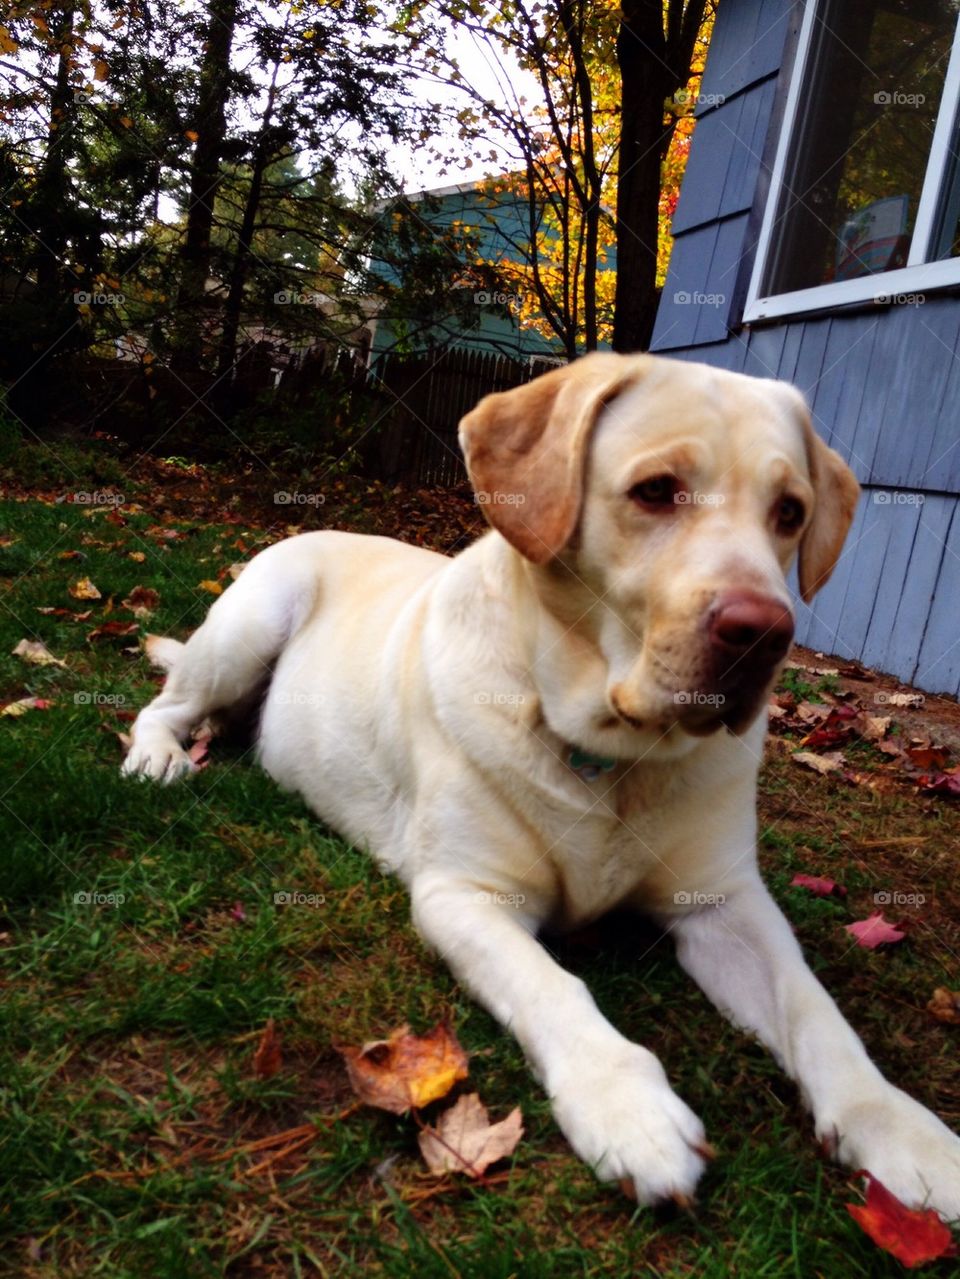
588 766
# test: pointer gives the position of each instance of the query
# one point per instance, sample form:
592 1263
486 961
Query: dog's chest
609 842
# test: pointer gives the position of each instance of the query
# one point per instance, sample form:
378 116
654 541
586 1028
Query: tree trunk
646 83
211 128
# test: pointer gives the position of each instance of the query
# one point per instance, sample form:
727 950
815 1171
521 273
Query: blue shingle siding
883 384
747 45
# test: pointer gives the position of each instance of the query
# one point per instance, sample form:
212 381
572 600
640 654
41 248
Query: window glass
862 141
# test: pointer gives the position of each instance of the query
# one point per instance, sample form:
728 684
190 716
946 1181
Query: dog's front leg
610 1097
745 957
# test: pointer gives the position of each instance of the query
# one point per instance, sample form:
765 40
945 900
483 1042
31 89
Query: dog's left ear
526 450
835 494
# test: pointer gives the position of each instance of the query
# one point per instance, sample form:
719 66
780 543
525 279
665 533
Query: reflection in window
870 101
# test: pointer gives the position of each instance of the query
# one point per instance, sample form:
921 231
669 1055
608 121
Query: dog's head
662 504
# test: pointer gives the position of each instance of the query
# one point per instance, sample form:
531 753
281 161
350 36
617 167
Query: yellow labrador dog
569 716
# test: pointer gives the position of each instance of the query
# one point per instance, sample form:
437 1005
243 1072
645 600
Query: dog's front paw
624 1119
158 761
904 1146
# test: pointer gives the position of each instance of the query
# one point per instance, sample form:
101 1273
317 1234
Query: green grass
133 1000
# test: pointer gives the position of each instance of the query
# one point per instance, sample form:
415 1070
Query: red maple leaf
874 931
819 885
912 1235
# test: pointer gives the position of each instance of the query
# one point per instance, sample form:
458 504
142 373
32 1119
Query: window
865 194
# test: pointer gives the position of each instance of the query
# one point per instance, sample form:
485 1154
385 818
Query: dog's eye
659 490
789 514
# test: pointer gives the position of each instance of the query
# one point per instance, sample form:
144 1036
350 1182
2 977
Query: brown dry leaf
137 556
464 1139
234 570
268 1059
210 585
812 712
405 1070
113 630
84 589
945 1005
830 763
142 601
36 653
876 727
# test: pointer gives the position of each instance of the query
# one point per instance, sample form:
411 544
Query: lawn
143 950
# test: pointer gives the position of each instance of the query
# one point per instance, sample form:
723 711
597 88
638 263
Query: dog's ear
835 494
526 450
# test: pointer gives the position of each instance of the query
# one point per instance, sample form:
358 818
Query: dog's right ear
526 450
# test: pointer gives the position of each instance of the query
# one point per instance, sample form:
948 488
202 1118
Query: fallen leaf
67 612
37 653
928 757
464 1139
210 585
876 727
945 1005
819 885
113 630
24 704
874 931
84 589
238 913
775 711
71 555
812 712
142 601
138 556
831 763
913 1235
234 570
836 728
947 783
268 1059
405 1070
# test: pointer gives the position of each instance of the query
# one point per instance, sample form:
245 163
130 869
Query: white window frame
919 275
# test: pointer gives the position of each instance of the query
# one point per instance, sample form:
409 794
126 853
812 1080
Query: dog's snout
743 622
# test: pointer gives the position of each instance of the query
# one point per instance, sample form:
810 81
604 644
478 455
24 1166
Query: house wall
883 383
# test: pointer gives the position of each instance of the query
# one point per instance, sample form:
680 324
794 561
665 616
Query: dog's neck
558 618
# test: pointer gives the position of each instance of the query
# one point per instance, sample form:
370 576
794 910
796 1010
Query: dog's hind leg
225 661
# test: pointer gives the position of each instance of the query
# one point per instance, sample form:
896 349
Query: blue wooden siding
883 384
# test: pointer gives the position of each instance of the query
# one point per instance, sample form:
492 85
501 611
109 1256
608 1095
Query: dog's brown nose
745 624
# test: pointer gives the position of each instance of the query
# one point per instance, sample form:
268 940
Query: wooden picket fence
425 397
